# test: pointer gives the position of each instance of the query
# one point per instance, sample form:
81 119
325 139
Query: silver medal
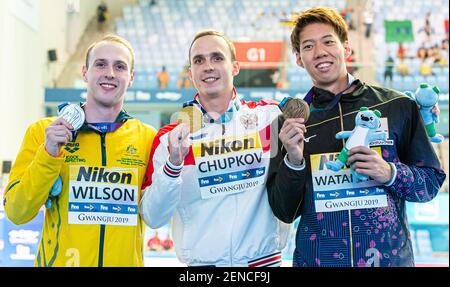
73 114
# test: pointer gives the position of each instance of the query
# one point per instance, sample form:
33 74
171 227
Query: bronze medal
295 108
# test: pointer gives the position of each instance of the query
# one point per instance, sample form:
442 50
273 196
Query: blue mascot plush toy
365 131
54 192
427 98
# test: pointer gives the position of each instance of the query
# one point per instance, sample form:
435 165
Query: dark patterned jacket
376 236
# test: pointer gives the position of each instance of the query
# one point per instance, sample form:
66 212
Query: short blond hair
212 32
115 39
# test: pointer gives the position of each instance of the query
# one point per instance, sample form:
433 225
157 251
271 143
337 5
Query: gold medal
192 116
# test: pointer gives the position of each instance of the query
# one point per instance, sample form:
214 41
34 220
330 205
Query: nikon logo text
95 174
222 146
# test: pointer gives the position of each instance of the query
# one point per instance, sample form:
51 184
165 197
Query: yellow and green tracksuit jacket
95 220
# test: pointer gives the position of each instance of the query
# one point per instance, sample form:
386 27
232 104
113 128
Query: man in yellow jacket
94 221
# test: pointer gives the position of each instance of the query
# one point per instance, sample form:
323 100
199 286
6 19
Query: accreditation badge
229 165
73 114
103 195
335 191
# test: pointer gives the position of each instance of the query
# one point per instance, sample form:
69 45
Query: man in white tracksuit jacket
212 180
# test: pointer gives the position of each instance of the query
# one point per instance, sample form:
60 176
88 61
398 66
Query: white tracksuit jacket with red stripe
218 199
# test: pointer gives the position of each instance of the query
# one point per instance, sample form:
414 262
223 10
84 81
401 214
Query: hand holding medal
59 132
292 133
72 114
190 121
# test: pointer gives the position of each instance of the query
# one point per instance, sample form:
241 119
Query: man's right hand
57 134
292 135
179 144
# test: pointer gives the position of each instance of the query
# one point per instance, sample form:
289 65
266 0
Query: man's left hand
368 162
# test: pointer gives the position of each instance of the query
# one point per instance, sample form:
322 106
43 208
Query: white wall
53 22
24 69
62 30
20 76
77 22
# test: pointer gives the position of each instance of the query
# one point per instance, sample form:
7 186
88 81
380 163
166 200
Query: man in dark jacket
346 222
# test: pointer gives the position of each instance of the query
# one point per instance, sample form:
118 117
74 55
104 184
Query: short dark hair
323 15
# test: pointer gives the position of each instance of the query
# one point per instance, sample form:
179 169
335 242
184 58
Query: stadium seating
416 11
161 33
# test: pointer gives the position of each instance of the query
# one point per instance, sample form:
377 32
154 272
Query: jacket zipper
349 211
102 226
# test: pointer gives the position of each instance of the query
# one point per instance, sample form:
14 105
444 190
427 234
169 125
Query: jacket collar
322 98
121 118
233 107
